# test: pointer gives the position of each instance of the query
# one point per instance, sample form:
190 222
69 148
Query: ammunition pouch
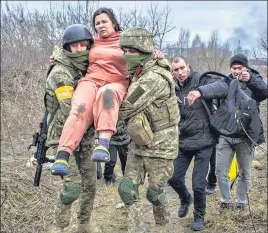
51 102
139 130
163 114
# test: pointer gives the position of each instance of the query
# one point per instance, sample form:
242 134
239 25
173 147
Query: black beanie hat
239 59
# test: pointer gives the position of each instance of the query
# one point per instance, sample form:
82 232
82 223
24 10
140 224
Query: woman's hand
158 54
51 59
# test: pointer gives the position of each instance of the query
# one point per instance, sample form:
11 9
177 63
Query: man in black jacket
195 137
253 85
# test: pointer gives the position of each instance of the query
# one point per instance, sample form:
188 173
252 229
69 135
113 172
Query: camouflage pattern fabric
153 92
159 171
84 173
137 38
60 84
63 212
139 129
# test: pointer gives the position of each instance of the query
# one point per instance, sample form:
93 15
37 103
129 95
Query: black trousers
199 182
109 166
212 179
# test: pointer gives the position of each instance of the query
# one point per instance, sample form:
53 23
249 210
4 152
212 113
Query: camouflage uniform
60 84
152 92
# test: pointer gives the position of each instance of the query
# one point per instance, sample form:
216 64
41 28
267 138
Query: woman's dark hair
111 16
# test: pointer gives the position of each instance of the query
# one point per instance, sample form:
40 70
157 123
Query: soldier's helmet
137 38
75 33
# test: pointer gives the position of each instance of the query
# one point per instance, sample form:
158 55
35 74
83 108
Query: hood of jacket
60 56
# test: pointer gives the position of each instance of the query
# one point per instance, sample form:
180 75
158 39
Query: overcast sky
234 20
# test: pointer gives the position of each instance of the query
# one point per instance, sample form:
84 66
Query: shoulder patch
136 94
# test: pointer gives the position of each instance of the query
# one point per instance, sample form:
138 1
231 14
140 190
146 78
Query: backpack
234 115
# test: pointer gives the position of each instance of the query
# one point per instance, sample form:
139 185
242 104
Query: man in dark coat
253 85
195 137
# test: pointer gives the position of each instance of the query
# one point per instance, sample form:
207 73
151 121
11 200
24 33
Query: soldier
70 64
151 109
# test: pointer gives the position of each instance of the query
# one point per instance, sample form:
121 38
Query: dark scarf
134 61
79 60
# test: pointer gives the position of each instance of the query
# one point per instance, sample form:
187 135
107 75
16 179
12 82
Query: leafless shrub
25 208
262 42
211 56
154 19
27 39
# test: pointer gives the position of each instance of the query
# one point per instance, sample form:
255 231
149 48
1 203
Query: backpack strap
196 81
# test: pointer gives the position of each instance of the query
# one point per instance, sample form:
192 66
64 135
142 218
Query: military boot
83 228
135 222
160 215
60 230
159 228
198 223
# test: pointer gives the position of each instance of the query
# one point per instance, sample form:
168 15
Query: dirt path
30 209
108 219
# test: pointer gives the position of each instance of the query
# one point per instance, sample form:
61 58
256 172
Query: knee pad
108 98
128 191
157 197
69 193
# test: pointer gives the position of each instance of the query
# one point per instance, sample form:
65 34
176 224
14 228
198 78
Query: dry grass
25 208
29 209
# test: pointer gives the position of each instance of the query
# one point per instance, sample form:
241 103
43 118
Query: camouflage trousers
159 171
82 173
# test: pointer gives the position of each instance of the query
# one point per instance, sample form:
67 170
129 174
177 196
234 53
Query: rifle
39 141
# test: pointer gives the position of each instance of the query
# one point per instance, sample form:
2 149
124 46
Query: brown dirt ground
27 209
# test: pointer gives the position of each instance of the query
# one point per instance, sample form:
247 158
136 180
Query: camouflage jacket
153 92
60 84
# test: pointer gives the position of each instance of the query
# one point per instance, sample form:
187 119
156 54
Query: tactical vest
163 114
50 99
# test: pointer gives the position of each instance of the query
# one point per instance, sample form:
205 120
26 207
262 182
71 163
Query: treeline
27 40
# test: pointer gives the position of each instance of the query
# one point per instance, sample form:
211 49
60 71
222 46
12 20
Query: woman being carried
98 95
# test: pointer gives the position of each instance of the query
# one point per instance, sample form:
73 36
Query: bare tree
216 56
262 43
195 53
159 23
181 46
27 40
183 42
154 19
132 18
